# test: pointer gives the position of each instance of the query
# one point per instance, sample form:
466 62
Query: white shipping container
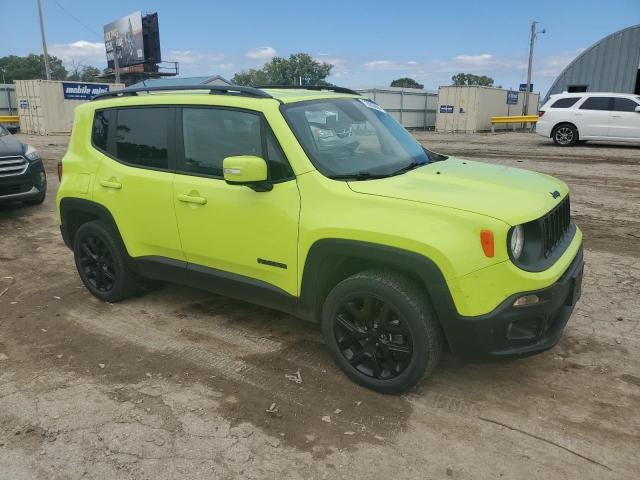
470 108
42 108
411 107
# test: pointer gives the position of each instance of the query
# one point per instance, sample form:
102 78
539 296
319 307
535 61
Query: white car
569 118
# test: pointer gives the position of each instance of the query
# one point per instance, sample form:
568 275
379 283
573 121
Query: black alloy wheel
373 337
97 263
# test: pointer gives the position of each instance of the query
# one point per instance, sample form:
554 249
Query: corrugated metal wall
8 99
411 107
611 65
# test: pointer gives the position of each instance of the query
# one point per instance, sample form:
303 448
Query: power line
89 29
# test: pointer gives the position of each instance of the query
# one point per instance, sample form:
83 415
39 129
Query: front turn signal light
486 240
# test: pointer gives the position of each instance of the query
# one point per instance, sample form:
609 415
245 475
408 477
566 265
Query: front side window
212 134
565 102
141 136
597 103
354 138
621 104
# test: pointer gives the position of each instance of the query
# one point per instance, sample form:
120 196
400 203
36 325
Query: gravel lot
177 383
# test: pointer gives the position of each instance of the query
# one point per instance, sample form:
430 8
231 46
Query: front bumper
510 331
27 185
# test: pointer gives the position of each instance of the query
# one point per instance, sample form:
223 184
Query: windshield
354 138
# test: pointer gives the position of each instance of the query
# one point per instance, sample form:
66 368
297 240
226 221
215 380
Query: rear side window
141 136
100 129
565 102
597 103
212 134
624 105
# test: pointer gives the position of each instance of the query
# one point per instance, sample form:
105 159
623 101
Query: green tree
31 67
90 74
406 82
471 79
298 68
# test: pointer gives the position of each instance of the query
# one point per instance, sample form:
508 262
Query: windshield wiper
358 176
411 166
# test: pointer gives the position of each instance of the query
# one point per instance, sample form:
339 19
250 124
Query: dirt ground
184 384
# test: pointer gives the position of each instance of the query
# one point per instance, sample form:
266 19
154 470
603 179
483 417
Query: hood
509 194
10 145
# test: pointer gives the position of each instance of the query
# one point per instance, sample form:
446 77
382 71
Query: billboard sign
124 38
512 97
82 91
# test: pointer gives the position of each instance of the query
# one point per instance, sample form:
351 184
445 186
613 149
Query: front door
625 121
232 228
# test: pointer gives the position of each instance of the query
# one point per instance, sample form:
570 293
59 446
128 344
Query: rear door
625 121
134 181
232 228
593 116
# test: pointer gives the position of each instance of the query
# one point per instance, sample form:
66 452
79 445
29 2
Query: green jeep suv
316 202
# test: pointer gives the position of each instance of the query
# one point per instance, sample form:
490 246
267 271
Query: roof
609 64
300 95
173 81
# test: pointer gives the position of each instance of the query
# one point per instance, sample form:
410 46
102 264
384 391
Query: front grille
11 166
555 225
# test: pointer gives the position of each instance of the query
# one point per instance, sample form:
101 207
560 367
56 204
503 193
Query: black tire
102 263
565 135
389 343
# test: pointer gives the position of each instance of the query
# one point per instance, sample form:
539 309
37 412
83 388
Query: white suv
572 117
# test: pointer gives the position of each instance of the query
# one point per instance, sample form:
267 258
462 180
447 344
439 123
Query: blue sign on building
523 87
24 104
446 108
512 97
82 91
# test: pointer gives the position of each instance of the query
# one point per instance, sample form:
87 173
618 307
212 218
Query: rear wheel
565 135
101 263
381 331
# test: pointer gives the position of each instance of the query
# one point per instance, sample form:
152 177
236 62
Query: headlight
516 241
32 154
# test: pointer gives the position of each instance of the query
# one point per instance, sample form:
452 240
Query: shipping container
470 108
412 107
46 106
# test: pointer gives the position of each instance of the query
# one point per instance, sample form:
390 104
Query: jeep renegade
316 202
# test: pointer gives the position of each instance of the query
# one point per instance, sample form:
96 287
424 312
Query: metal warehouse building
610 65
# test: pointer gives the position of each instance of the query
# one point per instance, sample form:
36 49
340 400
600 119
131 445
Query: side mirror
247 170
637 109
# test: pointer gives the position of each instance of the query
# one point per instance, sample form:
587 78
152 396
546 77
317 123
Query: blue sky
370 43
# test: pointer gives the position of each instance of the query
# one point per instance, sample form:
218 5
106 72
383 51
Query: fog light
526 329
526 300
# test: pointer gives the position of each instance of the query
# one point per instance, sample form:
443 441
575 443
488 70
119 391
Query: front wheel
565 135
381 331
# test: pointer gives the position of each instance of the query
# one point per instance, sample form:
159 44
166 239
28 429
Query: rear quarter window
565 102
100 130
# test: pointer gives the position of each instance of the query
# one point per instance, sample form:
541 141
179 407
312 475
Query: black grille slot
11 166
555 225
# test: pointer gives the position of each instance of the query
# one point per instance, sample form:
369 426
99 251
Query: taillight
540 113
60 170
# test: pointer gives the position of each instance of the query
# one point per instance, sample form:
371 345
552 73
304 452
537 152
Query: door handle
111 183
192 199
616 116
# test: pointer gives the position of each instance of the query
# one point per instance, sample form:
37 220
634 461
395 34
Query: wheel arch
330 261
559 124
75 212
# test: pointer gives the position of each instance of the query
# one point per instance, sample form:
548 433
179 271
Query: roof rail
331 88
213 89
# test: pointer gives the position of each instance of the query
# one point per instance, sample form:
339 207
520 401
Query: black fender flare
325 256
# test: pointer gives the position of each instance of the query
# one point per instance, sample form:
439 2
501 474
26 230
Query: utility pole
44 42
532 40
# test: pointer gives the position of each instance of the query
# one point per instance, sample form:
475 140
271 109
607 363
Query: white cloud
82 51
192 57
484 59
552 65
390 65
261 53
